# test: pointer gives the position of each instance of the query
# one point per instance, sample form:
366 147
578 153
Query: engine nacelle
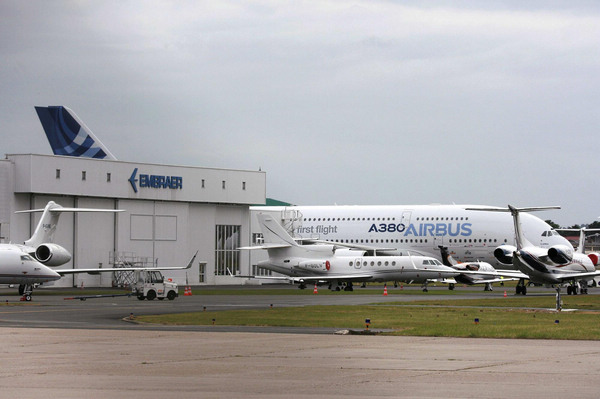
52 255
504 254
316 265
594 257
560 254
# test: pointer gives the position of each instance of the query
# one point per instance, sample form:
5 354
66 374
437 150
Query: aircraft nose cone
50 274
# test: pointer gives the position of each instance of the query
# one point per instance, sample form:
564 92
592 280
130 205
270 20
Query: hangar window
257 239
223 184
83 175
227 254
243 185
58 173
108 177
202 183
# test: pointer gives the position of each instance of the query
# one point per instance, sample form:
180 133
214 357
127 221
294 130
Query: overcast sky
340 102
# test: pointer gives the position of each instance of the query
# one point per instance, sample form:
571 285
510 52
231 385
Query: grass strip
408 320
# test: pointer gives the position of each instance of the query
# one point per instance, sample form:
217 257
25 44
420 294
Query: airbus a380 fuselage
469 235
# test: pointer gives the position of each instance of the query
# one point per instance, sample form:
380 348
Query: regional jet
337 264
28 264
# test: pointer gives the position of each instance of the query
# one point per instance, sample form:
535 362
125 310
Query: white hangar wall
162 224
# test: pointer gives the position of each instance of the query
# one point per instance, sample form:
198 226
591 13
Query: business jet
334 264
487 273
468 234
551 266
29 264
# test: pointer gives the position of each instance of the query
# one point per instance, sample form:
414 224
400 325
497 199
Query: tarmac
73 349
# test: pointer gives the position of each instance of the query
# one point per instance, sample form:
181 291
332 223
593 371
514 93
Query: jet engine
52 255
504 254
594 257
560 254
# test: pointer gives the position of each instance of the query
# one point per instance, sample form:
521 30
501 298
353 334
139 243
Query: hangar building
170 213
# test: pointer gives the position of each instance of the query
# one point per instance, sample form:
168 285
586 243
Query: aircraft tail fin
447 259
273 233
68 135
581 242
46 227
520 238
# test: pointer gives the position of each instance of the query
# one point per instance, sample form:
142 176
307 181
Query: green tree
552 224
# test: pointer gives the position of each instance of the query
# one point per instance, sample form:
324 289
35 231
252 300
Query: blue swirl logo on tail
67 135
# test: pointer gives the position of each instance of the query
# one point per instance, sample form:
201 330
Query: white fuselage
18 267
469 235
362 268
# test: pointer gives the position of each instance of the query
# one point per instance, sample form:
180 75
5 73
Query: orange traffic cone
190 289
385 290
187 291
315 290
504 293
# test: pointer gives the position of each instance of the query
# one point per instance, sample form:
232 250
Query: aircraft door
405 220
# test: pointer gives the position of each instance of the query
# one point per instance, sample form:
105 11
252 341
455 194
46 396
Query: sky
339 102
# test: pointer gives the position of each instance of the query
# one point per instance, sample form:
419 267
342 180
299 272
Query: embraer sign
155 181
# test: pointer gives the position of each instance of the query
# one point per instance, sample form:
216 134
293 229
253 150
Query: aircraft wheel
451 287
151 295
171 295
21 289
28 298
569 290
524 291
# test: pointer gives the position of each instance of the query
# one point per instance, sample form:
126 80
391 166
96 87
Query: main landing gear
521 287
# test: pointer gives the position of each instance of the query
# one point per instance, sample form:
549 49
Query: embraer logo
154 181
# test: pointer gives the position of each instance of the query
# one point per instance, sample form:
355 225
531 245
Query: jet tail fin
447 259
520 238
68 135
273 233
46 227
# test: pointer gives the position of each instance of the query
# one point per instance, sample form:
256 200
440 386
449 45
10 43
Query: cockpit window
550 233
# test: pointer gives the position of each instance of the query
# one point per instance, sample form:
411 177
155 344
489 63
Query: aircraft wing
125 269
499 273
572 276
314 279
267 246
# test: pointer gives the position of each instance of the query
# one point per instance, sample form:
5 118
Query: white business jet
552 266
488 274
28 264
335 264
